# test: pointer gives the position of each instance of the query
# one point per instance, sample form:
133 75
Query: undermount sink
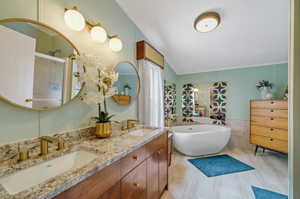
37 174
141 132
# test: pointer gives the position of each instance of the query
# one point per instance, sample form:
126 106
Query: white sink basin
31 176
141 132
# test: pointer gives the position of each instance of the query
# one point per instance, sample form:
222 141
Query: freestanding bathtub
196 140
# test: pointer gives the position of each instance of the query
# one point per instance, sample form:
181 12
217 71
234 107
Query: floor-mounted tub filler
196 140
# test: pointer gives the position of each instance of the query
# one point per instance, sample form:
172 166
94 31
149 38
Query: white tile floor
187 182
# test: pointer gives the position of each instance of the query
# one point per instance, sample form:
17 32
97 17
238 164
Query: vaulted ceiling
251 33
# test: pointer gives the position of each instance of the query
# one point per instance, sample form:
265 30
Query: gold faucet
23 154
47 139
131 123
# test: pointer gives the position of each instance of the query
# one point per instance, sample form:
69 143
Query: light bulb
115 44
74 19
98 34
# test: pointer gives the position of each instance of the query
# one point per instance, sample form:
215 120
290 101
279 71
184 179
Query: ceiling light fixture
98 34
74 19
115 43
207 22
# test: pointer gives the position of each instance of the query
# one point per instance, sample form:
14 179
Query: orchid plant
98 82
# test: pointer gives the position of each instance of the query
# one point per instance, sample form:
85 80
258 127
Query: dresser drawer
278 113
270 104
270 143
269 122
269 132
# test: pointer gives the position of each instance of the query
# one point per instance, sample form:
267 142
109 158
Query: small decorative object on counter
126 89
98 83
264 87
286 93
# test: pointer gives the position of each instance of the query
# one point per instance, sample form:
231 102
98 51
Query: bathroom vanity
142 174
128 165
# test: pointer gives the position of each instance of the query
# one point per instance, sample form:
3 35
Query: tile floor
187 182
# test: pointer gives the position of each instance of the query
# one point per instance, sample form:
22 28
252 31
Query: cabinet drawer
134 185
269 122
270 132
158 143
270 143
132 160
278 113
272 104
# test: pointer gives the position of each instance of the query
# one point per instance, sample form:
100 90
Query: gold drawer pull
272 118
271 139
135 157
271 129
136 184
28 100
272 111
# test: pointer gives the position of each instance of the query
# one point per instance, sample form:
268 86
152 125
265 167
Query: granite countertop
109 150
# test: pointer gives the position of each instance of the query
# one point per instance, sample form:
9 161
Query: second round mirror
127 85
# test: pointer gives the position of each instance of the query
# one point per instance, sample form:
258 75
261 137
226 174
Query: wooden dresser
269 124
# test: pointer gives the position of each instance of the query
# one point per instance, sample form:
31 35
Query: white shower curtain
151 110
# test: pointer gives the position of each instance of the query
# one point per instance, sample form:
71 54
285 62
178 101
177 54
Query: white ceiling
251 33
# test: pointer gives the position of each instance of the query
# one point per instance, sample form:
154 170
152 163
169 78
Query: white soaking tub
196 140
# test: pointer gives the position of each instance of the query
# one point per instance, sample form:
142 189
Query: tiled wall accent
169 100
187 102
219 101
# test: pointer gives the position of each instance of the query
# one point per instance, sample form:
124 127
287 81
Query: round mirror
37 69
128 84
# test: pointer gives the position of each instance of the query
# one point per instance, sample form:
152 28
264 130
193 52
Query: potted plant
97 88
264 86
126 89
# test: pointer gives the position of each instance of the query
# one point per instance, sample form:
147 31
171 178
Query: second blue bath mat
266 194
219 165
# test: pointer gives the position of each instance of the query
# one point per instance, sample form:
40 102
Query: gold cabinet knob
135 157
28 100
136 184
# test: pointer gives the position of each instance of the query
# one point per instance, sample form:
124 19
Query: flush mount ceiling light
98 34
74 19
207 22
115 44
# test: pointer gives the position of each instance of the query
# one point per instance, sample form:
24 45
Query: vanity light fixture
98 33
207 22
74 19
115 43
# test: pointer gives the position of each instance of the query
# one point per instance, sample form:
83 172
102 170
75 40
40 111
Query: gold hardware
131 123
136 184
135 157
28 100
23 155
45 140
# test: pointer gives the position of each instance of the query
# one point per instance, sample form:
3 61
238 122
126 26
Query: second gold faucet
47 139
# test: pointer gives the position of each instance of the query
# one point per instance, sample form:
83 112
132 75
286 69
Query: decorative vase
103 130
265 93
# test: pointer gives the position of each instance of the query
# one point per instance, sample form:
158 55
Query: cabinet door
113 193
163 169
152 177
134 185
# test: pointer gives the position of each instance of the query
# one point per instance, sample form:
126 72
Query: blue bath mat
266 194
219 165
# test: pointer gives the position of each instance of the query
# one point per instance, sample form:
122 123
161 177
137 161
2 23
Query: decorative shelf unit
122 99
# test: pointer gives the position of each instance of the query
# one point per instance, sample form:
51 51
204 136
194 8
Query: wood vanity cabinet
142 174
